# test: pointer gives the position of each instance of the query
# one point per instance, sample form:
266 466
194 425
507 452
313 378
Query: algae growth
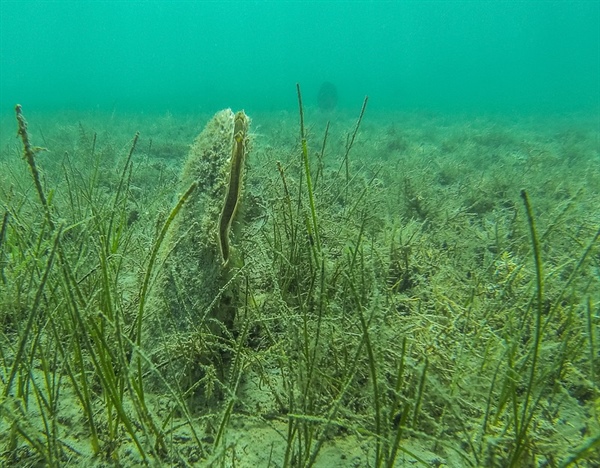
413 290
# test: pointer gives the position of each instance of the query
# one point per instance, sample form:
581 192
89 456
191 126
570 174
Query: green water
418 287
140 56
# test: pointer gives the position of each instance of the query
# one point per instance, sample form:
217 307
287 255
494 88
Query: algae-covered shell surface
193 275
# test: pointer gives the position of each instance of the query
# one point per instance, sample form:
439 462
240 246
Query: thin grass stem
311 199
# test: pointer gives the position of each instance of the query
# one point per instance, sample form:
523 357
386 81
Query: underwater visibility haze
300 233
438 55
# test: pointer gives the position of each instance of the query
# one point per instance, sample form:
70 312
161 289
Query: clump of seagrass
195 289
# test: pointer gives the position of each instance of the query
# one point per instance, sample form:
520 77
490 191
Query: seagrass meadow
404 289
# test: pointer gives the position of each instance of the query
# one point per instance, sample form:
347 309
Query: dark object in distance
327 97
